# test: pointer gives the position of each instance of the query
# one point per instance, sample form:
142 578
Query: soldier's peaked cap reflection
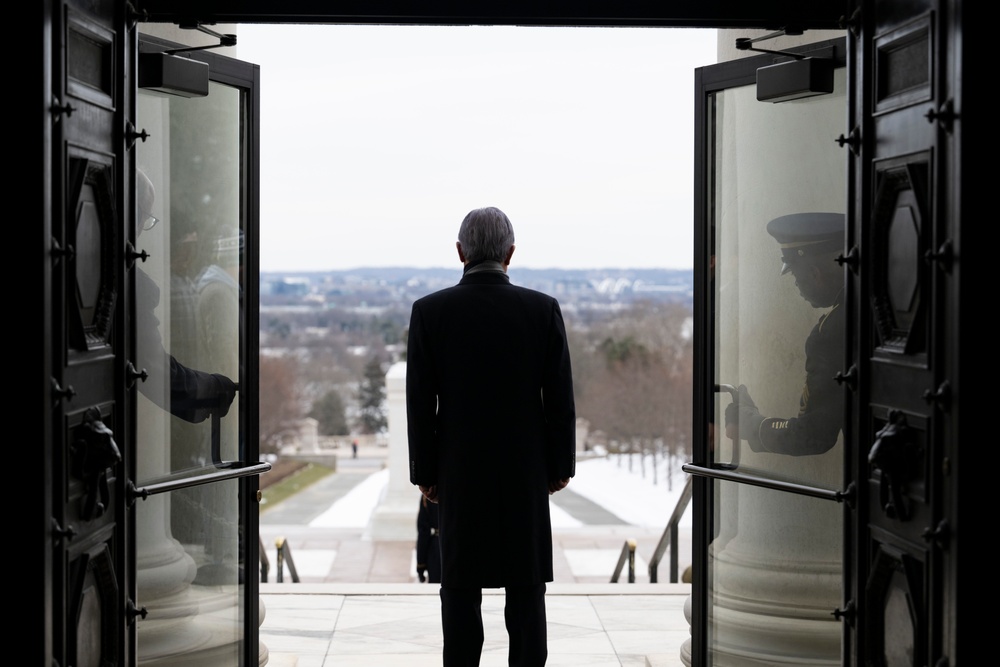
803 235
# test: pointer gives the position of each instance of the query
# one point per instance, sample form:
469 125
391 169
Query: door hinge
851 259
133 374
134 16
945 116
944 256
61 392
852 140
850 377
59 252
59 110
940 397
939 535
68 532
131 135
132 254
845 614
131 612
853 23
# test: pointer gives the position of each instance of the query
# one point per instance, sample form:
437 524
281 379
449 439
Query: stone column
187 624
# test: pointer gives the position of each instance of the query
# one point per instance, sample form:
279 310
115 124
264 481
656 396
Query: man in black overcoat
492 433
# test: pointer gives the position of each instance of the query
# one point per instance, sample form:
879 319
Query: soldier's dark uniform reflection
194 395
810 244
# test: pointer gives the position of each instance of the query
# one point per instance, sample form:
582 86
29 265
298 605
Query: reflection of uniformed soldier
428 545
194 394
810 243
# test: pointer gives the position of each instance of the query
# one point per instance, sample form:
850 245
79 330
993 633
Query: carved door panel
89 534
899 280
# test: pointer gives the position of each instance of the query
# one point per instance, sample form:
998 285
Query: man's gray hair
486 233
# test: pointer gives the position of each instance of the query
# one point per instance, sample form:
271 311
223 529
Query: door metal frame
245 77
708 81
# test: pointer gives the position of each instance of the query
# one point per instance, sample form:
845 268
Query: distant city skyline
377 140
377 288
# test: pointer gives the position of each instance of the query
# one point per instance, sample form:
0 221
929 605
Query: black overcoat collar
485 278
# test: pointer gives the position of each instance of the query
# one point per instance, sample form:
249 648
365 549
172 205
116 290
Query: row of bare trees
632 371
633 376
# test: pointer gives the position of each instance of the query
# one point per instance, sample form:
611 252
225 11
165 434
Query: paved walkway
358 601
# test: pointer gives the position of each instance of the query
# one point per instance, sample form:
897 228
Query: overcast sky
377 140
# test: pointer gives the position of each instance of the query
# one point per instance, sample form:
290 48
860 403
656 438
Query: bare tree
280 403
633 374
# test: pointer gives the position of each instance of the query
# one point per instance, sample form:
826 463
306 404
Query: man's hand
421 573
557 485
226 394
743 414
430 492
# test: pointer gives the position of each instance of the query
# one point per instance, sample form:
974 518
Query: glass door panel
778 290
774 578
189 330
773 346
188 289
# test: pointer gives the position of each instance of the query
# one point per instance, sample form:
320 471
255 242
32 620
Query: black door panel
88 523
902 332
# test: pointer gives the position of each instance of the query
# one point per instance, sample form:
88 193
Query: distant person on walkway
354 448
492 433
428 544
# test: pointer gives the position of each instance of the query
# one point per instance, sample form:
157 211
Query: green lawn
292 484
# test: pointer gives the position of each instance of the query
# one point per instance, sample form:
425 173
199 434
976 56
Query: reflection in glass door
189 325
774 229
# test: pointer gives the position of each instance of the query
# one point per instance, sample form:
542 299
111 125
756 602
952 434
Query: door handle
888 455
735 462
94 453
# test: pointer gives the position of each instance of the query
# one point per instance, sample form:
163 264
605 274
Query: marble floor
357 601
385 625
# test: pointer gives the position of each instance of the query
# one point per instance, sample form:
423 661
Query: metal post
265 564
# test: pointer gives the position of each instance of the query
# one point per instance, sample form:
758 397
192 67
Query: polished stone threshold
385 625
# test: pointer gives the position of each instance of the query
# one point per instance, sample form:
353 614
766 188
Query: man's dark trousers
524 615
